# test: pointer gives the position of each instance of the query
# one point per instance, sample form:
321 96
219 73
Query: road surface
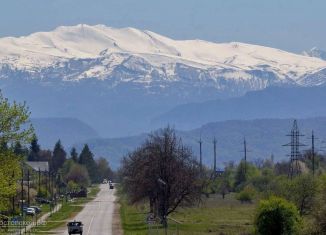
97 215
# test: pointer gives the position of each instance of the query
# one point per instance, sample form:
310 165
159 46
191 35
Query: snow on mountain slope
84 41
316 52
125 77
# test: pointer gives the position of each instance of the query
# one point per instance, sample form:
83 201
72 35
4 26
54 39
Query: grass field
67 211
213 216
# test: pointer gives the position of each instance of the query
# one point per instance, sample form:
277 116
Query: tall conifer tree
59 156
34 149
86 158
74 154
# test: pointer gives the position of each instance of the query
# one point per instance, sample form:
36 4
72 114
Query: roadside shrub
247 194
276 216
43 193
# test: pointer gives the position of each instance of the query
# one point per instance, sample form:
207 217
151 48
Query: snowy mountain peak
132 55
315 52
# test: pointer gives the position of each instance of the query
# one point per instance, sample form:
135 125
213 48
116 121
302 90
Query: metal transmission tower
214 143
295 153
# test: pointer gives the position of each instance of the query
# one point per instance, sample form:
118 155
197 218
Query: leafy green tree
14 122
14 127
262 181
3 146
276 216
302 192
10 173
74 154
59 156
104 170
79 175
34 149
19 150
86 159
319 213
244 173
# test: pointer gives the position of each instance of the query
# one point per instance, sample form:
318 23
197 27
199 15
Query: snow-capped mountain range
129 55
315 52
117 80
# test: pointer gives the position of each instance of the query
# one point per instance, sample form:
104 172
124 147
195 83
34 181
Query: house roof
39 166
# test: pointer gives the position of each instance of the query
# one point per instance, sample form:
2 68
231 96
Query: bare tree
164 171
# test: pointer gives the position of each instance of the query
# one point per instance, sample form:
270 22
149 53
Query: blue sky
293 25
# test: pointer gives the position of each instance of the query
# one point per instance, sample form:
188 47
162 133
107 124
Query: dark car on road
75 227
42 200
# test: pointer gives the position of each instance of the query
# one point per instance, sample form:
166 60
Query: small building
39 166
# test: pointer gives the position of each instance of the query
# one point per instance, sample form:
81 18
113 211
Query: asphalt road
97 214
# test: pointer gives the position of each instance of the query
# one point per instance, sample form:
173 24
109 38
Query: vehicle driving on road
75 227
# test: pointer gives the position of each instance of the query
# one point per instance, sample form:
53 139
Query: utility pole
313 152
49 182
28 200
22 192
245 155
53 184
39 181
13 197
214 143
200 155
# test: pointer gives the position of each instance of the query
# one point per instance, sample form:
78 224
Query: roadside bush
247 194
43 193
276 216
72 186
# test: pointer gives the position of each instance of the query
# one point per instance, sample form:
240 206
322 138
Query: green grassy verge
68 210
213 216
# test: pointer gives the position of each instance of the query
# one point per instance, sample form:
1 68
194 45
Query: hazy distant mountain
113 149
274 102
315 52
264 137
68 130
117 80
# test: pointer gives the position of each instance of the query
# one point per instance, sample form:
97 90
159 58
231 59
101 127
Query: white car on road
30 211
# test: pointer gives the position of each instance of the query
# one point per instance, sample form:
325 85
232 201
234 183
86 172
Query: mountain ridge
272 102
111 47
120 79
264 138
